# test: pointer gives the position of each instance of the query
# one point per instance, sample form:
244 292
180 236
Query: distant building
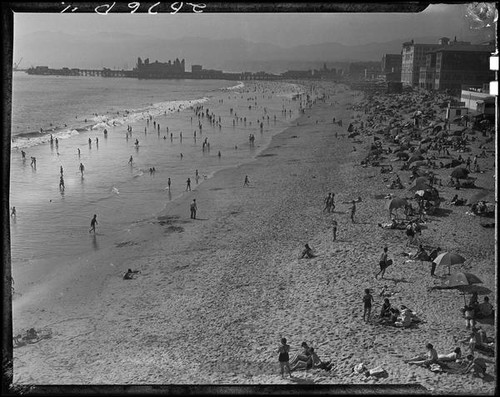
325 73
160 70
297 74
413 57
196 68
358 70
391 67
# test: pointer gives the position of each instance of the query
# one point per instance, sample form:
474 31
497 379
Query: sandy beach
214 295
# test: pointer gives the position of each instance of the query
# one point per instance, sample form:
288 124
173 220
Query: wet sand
215 294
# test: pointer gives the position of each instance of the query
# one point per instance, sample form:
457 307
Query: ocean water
52 224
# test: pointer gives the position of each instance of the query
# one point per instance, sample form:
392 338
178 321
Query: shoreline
211 301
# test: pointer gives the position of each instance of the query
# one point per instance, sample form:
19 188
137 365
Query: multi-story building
413 57
160 70
391 67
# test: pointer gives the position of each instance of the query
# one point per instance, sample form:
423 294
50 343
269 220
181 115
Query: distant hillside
120 51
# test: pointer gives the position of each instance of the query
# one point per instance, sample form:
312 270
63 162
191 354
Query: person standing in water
61 183
93 223
168 183
13 213
188 184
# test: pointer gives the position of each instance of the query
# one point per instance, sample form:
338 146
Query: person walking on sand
130 160
193 208
188 184
247 181
82 168
384 263
367 301
353 211
433 255
61 183
284 358
327 202
334 228
13 213
93 223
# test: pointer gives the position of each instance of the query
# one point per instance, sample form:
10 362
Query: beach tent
395 203
460 173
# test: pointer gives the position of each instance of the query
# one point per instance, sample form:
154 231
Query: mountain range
120 51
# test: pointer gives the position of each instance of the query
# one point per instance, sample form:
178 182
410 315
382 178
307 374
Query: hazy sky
285 29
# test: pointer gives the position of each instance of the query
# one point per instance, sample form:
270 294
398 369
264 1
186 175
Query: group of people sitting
399 318
306 360
475 310
470 364
478 340
482 207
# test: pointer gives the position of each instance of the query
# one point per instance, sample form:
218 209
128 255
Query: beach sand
214 295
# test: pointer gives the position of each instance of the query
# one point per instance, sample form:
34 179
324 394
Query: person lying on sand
129 275
431 357
453 356
307 252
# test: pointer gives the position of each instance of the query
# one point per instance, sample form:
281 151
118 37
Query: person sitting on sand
307 252
304 357
485 309
475 366
453 356
129 275
431 357
386 309
421 254
312 362
404 319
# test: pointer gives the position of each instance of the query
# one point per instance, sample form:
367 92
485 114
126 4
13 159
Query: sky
283 29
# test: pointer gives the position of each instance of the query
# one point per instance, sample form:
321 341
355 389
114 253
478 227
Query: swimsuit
283 357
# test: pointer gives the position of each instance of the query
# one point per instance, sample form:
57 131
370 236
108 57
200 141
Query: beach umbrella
466 283
449 259
484 195
459 173
460 279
